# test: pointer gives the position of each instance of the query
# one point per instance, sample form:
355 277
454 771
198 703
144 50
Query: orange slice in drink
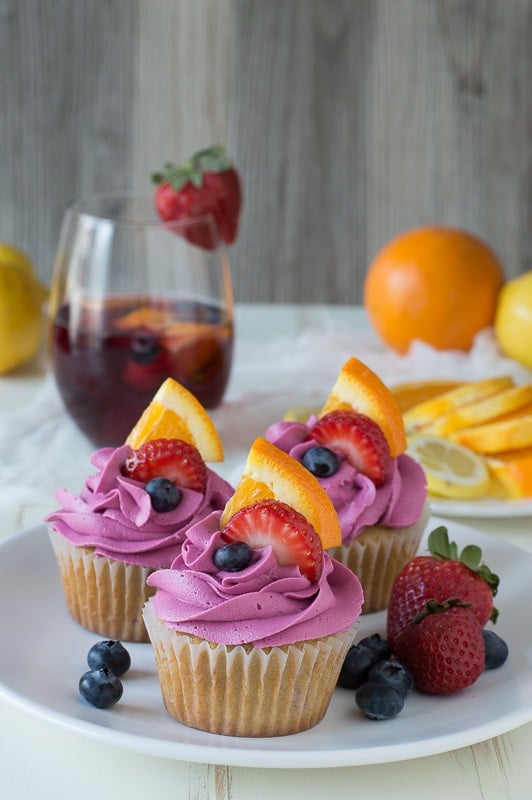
413 393
359 388
174 413
271 473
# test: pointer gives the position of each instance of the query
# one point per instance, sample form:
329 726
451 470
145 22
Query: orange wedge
418 417
359 388
155 319
490 409
412 394
511 473
497 437
174 413
271 473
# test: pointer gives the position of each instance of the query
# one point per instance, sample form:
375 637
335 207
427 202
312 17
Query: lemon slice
451 470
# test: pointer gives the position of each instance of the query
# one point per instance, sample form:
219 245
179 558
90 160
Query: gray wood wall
350 121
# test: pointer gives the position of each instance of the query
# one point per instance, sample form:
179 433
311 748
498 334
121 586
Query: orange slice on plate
360 389
488 410
511 473
413 393
271 473
418 417
513 433
174 413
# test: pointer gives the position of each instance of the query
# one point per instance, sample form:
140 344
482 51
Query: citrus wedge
174 413
451 470
413 393
487 410
359 388
513 433
511 473
271 473
424 414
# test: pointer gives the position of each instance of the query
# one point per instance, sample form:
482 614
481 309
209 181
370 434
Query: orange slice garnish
511 473
359 388
271 473
174 413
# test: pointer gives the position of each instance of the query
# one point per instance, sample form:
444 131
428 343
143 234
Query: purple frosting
114 514
264 604
398 503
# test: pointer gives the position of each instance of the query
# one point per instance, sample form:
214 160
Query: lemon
451 470
21 299
513 319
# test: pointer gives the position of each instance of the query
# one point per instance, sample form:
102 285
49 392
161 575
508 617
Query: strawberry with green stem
208 184
443 574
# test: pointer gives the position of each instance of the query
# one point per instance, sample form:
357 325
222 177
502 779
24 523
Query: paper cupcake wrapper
103 595
241 690
377 556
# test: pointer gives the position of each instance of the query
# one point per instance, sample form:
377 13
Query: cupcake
131 515
356 449
251 624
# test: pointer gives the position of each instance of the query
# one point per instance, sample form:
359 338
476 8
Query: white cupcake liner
103 595
241 690
378 555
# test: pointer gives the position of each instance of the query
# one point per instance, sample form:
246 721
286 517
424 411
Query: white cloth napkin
41 449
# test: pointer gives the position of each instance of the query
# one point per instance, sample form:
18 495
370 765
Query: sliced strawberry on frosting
270 523
360 439
173 459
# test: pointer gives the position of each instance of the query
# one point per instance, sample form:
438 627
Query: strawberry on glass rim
206 186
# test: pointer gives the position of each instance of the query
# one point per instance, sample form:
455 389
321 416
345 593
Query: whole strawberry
207 184
441 575
443 647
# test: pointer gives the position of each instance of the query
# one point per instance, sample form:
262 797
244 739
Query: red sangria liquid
109 359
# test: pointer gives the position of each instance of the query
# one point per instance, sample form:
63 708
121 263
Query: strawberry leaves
441 547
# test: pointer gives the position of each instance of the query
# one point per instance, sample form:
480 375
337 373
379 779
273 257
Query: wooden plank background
350 121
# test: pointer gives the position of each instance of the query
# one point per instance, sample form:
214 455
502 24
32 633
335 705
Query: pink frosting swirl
264 604
114 514
398 503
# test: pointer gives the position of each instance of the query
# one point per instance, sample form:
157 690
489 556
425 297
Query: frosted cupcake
252 622
131 515
355 448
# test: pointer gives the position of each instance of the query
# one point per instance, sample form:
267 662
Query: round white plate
487 508
43 655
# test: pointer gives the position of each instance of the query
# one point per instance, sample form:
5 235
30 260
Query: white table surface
41 760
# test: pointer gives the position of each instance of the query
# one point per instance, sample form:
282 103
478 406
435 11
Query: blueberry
164 494
496 649
321 461
233 557
356 666
379 701
144 349
100 687
376 643
393 674
110 654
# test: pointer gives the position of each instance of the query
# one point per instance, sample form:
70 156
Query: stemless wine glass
134 300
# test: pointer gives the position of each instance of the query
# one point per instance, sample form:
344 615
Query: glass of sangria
134 300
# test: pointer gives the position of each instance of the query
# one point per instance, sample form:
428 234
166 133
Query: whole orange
436 284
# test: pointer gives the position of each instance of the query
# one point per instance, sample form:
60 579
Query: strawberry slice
360 439
270 523
174 459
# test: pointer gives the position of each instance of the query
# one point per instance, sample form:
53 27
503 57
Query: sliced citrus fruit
413 393
155 319
487 410
174 413
271 473
425 413
496 437
359 388
511 473
451 470
299 413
